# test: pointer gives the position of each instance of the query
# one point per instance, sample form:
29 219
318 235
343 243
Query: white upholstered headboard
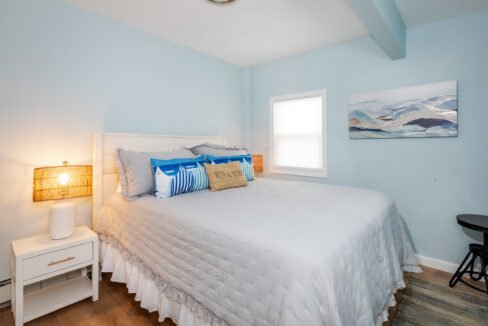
105 177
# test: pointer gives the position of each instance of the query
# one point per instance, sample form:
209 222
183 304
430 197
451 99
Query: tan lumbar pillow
224 176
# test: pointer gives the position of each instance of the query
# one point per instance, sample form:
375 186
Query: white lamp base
62 220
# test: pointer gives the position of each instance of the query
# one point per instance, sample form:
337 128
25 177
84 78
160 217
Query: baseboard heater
5 292
6 285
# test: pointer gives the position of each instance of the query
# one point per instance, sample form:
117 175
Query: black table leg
458 274
484 263
475 251
484 260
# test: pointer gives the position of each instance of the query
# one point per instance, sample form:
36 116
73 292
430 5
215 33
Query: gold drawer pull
60 261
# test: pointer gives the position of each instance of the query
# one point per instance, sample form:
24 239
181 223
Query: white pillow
135 172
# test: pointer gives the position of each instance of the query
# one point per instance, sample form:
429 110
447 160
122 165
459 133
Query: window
298 134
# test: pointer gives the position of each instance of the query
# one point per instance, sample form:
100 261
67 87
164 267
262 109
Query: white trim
5 294
438 264
435 263
318 173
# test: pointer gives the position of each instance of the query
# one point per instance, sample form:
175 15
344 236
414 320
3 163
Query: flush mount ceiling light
221 2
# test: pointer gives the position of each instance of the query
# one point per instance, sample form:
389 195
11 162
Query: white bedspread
273 253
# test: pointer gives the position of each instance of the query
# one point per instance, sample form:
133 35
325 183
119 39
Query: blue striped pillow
177 176
245 160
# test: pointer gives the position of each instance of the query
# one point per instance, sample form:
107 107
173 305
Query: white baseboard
437 264
4 294
440 264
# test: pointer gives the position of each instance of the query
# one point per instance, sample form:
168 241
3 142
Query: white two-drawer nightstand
39 258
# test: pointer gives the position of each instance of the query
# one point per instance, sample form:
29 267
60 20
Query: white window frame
306 172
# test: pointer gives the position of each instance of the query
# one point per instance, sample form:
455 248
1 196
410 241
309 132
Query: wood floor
118 308
437 277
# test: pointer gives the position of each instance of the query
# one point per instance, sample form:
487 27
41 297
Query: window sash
285 163
283 156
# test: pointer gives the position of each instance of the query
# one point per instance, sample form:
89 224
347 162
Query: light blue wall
66 73
431 180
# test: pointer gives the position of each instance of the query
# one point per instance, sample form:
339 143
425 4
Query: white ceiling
250 32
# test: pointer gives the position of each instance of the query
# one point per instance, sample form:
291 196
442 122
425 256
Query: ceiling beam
384 23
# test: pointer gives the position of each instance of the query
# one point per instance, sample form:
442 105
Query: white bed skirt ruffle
154 295
410 266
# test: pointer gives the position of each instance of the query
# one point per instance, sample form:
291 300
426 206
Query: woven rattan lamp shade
62 182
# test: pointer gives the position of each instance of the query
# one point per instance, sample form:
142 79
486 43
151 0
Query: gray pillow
218 150
135 172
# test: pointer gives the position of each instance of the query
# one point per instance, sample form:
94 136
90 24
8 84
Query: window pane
301 151
298 117
297 133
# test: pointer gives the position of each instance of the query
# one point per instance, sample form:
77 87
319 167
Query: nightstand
257 163
39 258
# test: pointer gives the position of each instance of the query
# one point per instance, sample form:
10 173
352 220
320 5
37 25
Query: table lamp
62 183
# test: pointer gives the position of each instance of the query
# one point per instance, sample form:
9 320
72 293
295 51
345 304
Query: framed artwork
419 111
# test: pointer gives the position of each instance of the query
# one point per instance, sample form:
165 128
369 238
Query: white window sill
322 173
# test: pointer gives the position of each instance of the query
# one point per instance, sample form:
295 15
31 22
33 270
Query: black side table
478 223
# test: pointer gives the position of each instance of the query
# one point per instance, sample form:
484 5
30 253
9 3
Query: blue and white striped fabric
245 160
177 176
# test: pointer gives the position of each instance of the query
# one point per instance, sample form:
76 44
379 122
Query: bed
272 253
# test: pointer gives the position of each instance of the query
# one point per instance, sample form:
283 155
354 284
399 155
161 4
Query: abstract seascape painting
419 111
